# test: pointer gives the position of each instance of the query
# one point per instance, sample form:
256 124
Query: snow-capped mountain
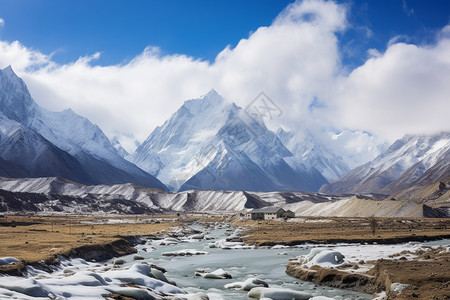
307 150
401 165
119 149
356 147
44 137
209 143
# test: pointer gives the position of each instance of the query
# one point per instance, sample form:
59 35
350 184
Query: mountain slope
89 156
60 195
401 165
40 158
209 143
311 154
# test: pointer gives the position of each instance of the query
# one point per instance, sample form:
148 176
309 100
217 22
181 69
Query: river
263 263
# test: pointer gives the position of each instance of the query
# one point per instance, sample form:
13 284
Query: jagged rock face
209 143
15 101
411 160
36 142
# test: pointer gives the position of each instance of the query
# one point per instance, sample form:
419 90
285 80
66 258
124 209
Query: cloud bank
296 61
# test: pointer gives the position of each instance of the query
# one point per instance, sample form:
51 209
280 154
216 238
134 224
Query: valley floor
35 238
343 230
425 275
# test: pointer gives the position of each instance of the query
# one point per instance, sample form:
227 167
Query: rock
247 285
399 287
277 294
322 257
196 296
68 272
118 261
185 252
217 274
138 257
7 260
197 237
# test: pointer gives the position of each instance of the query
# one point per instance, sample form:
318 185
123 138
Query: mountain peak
15 100
9 72
8 68
212 92
211 95
209 102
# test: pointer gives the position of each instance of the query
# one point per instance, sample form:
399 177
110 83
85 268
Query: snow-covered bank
230 270
373 268
97 281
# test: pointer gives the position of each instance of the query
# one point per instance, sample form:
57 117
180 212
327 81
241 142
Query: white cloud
403 91
295 61
22 59
2 22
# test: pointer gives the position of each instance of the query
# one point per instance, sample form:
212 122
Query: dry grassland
38 238
329 230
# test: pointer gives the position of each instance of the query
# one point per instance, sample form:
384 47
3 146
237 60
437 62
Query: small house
269 213
288 214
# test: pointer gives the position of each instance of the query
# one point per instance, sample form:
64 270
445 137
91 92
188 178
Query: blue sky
378 66
121 30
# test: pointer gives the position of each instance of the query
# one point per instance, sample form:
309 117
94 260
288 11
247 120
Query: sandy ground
329 230
38 238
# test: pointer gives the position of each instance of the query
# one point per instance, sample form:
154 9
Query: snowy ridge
49 195
411 155
310 153
39 143
209 143
156 199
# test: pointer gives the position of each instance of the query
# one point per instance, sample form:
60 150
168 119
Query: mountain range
58 195
211 144
409 161
208 144
35 142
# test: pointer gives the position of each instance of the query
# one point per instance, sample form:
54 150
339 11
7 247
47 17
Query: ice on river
95 284
79 279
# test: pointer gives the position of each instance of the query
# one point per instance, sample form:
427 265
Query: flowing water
78 279
263 263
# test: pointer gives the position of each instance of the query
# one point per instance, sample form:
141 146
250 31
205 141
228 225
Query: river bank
40 240
51 239
318 230
197 257
426 275
409 274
